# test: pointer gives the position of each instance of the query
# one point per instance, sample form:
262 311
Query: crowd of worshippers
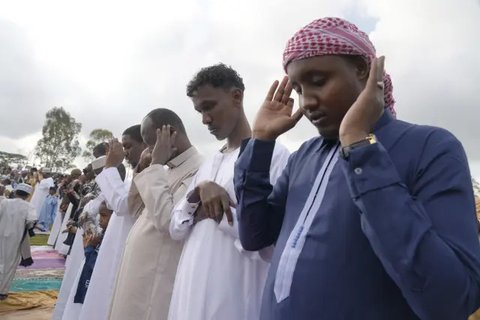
374 218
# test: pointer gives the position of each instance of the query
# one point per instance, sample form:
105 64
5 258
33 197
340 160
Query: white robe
72 310
73 268
14 216
40 193
73 263
147 273
100 290
216 278
55 231
59 245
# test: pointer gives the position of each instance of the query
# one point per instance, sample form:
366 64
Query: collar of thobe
181 158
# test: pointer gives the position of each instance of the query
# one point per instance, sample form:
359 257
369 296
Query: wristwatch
345 151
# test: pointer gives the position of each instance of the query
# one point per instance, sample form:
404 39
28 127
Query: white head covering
99 162
24 187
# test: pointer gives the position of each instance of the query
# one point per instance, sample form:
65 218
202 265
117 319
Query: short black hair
218 76
134 133
21 193
100 148
162 116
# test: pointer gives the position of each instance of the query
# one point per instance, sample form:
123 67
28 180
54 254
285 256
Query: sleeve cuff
231 230
369 168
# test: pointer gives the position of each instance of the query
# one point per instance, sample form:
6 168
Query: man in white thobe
216 278
16 216
41 190
66 204
115 191
75 258
73 310
145 281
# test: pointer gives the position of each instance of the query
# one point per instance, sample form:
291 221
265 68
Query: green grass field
39 240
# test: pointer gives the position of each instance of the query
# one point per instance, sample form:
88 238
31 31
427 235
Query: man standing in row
216 278
115 191
16 216
374 219
42 189
147 273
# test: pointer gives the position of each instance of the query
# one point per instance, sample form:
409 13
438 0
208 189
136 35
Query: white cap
99 163
46 170
24 187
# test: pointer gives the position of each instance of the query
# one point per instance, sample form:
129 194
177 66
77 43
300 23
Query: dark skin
97 152
105 215
88 172
164 143
343 99
144 162
129 149
90 239
222 112
133 149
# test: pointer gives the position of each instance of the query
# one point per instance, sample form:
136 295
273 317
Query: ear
362 68
360 65
237 96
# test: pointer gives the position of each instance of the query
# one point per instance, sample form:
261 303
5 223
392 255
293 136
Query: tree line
59 145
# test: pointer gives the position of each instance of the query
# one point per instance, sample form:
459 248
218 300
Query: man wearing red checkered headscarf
372 219
334 36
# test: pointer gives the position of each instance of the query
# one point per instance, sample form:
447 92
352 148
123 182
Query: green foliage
7 159
96 136
59 145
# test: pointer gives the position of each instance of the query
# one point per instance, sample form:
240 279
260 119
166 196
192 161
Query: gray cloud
21 85
430 47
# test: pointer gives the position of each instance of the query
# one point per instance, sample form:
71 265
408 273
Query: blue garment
91 254
394 237
48 212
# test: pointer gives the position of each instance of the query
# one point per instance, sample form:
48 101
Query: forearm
114 190
434 263
252 186
182 219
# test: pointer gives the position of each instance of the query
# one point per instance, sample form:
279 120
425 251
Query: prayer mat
35 288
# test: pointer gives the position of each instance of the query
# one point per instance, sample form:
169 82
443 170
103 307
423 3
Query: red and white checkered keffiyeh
334 36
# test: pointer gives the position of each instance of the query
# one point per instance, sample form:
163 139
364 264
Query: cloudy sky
110 62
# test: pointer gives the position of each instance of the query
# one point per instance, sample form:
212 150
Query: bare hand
214 201
200 214
115 154
70 229
89 239
165 146
144 162
362 116
275 115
